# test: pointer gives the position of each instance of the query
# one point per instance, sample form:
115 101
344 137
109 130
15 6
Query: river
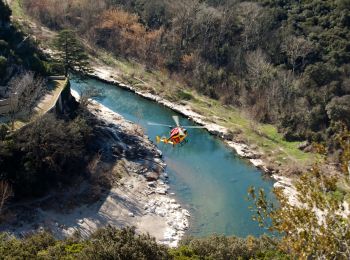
207 177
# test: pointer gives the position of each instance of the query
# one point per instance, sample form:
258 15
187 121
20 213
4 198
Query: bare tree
25 90
5 193
295 48
185 13
250 16
87 94
260 71
261 76
13 110
138 128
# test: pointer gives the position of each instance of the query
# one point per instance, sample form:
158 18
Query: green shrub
183 253
338 109
182 95
223 247
321 73
3 46
26 248
125 244
3 65
111 243
47 153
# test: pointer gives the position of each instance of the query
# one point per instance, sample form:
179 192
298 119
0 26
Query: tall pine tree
71 53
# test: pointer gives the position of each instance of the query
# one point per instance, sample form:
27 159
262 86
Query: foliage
282 61
313 221
182 95
113 243
18 52
40 245
222 247
338 109
44 154
183 253
110 243
28 89
71 53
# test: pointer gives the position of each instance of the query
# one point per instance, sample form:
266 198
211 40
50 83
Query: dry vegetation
259 56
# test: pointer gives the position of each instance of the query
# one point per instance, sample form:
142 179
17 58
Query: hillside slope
18 52
282 62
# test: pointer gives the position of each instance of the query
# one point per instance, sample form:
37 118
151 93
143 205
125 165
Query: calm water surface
206 176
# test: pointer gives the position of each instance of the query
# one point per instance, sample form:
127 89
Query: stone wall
66 103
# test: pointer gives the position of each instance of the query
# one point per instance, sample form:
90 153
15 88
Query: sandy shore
134 200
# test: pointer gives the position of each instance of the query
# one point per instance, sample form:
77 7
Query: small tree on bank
71 53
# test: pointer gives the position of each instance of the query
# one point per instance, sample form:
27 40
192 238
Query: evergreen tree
71 53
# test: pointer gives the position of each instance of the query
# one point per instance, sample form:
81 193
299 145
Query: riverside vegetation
285 62
234 71
298 82
33 158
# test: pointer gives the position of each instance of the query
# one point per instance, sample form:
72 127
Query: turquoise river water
207 177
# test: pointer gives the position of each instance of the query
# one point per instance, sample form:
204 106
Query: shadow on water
206 176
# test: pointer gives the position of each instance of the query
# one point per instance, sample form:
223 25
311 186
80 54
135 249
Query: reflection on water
207 178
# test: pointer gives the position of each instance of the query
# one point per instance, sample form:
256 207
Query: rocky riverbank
105 74
139 197
145 186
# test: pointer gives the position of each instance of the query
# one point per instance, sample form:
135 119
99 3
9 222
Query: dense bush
3 65
315 224
125 244
107 243
222 247
39 246
111 243
45 154
338 109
